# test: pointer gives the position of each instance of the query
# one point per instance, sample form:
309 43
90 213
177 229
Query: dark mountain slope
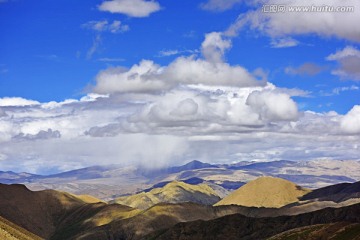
240 227
336 193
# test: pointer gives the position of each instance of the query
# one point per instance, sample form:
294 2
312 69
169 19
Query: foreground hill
266 192
338 230
173 192
55 215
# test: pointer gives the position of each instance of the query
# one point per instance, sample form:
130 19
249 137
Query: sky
158 83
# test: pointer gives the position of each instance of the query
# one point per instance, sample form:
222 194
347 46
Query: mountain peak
265 191
195 164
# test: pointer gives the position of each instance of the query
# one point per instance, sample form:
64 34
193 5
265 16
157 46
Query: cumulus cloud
273 106
142 77
304 69
150 77
16 101
349 62
350 123
219 5
131 8
214 47
292 23
105 26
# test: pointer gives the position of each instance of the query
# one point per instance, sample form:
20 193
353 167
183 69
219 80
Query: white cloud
94 47
350 123
273 106
288 24
131 8
188 70
214 46
349 62
150 77
219 5
16 101
338 90
105 26
142 77
284 42
172 52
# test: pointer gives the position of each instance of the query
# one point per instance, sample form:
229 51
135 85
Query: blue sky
89 52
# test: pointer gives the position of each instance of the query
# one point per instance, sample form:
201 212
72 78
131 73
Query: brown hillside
267 192
37 212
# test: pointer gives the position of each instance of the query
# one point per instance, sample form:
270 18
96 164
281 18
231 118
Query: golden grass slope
173 192
11 231
269 192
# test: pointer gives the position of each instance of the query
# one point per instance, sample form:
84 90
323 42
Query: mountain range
113 181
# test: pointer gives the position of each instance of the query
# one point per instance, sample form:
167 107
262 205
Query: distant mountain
267 192
173 192
264 166
112 181
195 164
84 173
12 177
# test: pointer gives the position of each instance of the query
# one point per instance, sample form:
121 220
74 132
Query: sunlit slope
10 231
267 192
174 192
